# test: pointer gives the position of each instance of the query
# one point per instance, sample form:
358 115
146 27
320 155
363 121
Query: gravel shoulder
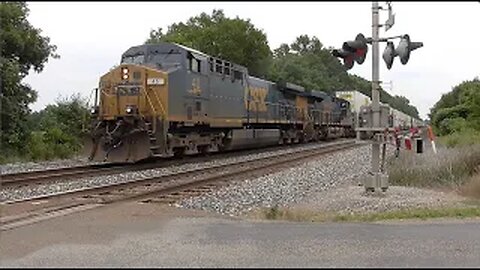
354 200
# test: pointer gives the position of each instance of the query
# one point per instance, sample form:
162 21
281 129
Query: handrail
154 124
150 102
161 105
105 93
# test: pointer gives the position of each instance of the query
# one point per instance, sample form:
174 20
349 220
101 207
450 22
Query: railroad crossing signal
346 56
405 47
389 54
402 51
353 50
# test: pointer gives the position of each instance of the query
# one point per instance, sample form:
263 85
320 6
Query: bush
463 138
51 144
38 148
55 132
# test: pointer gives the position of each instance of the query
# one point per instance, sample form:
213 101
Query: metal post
375 84
378 180
357 123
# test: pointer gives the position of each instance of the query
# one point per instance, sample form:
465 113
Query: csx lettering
257 100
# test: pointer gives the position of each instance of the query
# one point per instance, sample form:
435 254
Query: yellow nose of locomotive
120 92
131 98
133 90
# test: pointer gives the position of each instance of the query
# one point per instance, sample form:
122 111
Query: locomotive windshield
154 59
137 59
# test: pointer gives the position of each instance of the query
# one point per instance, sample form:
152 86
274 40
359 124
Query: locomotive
168 100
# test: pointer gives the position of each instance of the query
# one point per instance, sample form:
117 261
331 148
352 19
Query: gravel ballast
287 186
60 186
19 167
328 183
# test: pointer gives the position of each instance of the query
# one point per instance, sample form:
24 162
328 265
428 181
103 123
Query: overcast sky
91 36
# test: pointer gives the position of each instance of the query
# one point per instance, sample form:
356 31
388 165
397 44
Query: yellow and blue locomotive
167 99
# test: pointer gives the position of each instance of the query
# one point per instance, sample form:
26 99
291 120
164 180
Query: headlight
125 73
93 110
128 110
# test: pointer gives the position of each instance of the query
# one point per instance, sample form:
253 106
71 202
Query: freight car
167 99
397 119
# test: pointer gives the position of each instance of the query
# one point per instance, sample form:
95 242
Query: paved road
143 240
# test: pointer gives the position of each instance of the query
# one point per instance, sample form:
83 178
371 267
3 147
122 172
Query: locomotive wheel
178 152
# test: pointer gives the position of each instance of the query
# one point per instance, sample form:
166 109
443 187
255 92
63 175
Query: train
397 119
167 99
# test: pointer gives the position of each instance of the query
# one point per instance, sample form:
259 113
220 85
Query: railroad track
166 188
23 179
40 177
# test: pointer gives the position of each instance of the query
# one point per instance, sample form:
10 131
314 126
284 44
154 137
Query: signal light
402 51
358 47
405 47
347 57
389 54
125 73
354 50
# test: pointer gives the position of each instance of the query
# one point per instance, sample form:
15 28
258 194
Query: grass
471 209
450 167
471 188
459 139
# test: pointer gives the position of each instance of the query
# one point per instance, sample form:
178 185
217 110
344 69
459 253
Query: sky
91 36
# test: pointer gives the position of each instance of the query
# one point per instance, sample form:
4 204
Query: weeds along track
165 188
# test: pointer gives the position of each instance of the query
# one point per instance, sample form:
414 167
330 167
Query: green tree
458 110
306 62
22 48
236 40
